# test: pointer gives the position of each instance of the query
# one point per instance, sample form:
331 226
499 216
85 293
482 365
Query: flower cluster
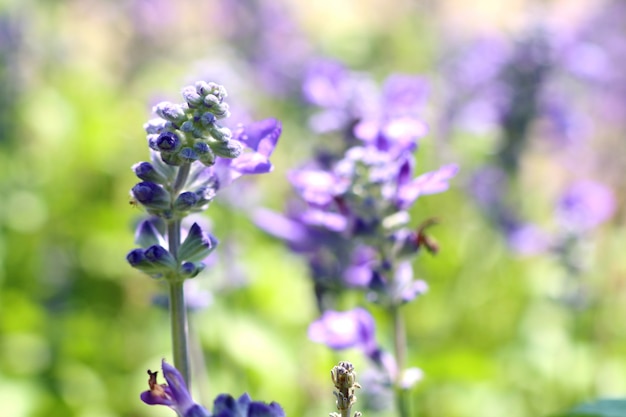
193 156
174 394
351 218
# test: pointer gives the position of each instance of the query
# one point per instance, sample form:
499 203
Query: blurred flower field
504 203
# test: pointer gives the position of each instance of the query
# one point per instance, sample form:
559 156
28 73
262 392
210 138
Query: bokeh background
506 329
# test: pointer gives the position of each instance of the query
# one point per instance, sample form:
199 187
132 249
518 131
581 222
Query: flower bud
211 101
186 201
187 127
137 259
190 269
207 119
205 195
159 256
154 126
204 152
188 155
147 234
147 172
170 158
197 245
192 97
168 142
231 149
220 133
151 195
171 112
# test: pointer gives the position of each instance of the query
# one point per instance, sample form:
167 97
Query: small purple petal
527 239
585 205
176 384
331 221
261 136
252 163
430 183
316 187
344 330
280 226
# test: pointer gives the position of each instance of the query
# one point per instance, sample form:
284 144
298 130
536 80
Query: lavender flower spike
174 394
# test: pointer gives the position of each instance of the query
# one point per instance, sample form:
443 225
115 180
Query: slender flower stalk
399 347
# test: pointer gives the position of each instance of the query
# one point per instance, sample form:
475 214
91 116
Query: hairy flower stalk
192 157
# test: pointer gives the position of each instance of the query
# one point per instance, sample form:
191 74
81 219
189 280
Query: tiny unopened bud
147 234
186 201
220 133
188 155
151 195
171 112
168 142
197 245
147 172
191 269
158 255
192 97
231 149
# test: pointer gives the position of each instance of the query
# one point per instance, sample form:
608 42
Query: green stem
178 309
178 319
399 345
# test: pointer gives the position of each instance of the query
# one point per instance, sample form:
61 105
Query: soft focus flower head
343 330
585 205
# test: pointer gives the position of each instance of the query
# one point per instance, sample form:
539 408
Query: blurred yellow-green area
78 328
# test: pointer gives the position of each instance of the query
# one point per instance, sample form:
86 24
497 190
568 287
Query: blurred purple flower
259 140
344 330
527 239
429 183
317 187
584 205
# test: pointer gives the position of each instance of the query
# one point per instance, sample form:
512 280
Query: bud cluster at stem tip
344 379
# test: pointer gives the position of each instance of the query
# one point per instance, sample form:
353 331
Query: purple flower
527 239
344 330
226 406
585 205
325 84
259 139
429 183
317 187
174 394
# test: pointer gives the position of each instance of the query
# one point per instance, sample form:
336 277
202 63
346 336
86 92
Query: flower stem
178 317
178 309
399 344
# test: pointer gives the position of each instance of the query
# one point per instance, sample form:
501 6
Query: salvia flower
584 205
227 406
173 394
345 329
